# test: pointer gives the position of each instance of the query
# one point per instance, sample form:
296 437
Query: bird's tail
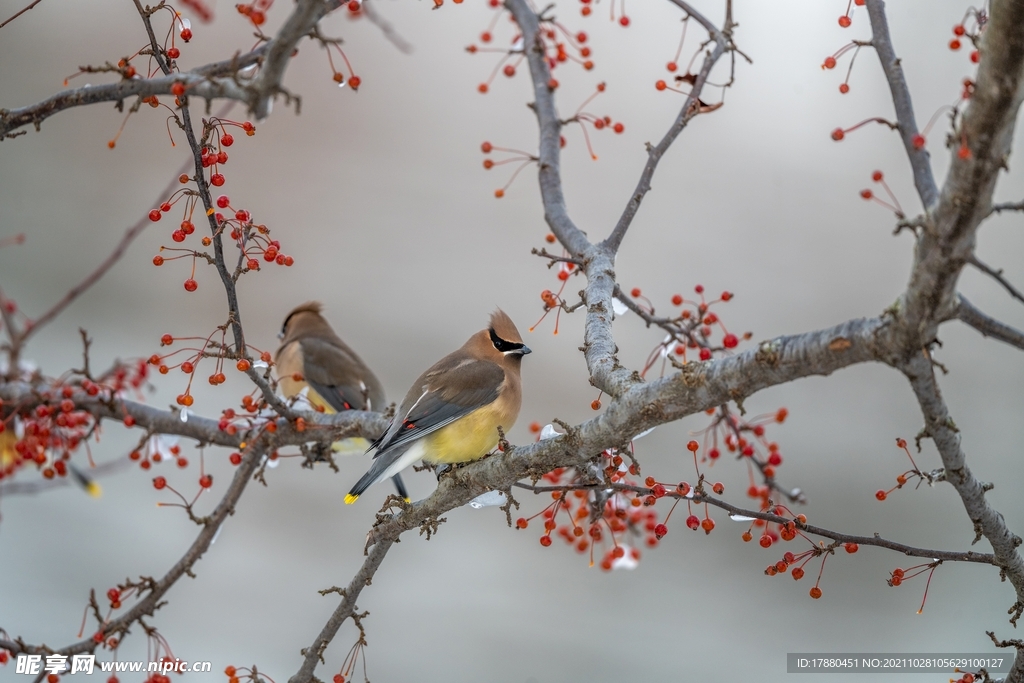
387 465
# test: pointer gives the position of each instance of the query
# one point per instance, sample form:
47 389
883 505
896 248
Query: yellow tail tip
93 489
407 499
349 498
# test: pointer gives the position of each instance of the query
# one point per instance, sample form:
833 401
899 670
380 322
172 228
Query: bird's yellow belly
468 438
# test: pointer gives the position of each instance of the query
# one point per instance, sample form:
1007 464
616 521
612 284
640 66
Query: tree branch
920 163
988 326
875 540
987 521
690 108
101 270
996 275
345 610
548 165
20 12
156 590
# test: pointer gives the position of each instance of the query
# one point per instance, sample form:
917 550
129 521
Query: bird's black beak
524 350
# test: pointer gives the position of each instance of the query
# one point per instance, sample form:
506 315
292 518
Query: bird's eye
502 345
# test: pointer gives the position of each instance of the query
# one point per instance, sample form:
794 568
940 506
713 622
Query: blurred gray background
381 198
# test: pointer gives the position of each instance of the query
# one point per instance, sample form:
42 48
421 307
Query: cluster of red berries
196 354
560 46
693 328
147 459
905 477
56 427
256 11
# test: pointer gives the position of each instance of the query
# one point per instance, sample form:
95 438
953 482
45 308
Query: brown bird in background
313 362
453 411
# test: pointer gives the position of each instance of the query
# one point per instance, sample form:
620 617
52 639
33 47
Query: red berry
186 34
191 285
730 341
707 525
766 541
838 134
797 573
660 531
866 194
954 44
918 141
975 56
851 547
178 236
693 522
178 89
692 446
206 481
844 88
718 487
223 201
880 494
830 63
173 52
217 179
844 21
815 593
661 85
624 20
155 215
159 483
227 140
747 536
545 541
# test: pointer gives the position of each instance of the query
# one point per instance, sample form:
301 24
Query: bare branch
996 275
299 23
988 326
101 270
875 540
549 168
345 610
940 427
1007 206
369 8
20 12
924 180
155 591
690 108
212 81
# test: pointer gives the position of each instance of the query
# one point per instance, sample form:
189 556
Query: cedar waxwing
453 411
314 362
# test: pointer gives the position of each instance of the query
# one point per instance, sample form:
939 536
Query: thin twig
20 12
996 275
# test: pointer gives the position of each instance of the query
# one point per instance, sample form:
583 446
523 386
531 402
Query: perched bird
453 411
314 363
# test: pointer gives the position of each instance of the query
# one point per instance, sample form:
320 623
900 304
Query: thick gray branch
924 180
